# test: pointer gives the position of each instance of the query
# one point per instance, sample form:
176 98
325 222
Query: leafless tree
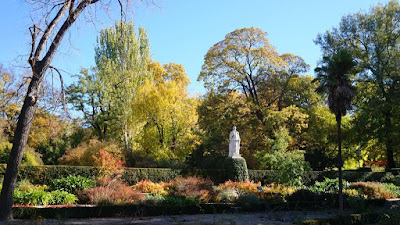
55 19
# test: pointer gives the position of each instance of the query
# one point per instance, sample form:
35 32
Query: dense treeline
140 111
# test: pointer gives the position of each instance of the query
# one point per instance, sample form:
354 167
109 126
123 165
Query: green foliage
393 189
321 138
52 151
328 186
71 184
248 201
178 201
373 39
30 157
40 197
289 166
236 169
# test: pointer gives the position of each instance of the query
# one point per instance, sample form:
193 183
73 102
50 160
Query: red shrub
113 191
192 187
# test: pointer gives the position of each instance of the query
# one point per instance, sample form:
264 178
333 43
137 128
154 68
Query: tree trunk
20 139
389 141
340 163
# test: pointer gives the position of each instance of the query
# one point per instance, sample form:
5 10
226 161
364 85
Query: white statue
234 143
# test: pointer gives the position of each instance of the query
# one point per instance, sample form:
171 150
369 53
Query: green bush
62 198
248 201
71 184
289 166
236 169
30 157
41 197
328 186
178 201
393 189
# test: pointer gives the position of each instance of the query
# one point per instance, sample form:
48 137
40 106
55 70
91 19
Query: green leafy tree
105 95
289 166
373 38
334 76
122 59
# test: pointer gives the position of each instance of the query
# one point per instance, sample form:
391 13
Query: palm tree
334 79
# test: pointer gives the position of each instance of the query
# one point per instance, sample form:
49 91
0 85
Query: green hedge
118 211
386 217
44 174
134 175
236 169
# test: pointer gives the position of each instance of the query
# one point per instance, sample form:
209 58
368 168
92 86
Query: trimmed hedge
387 217
236 169
134 175
118 211
44 174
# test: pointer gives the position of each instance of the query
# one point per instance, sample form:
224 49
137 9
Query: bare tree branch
62 91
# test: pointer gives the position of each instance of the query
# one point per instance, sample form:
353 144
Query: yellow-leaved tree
168 114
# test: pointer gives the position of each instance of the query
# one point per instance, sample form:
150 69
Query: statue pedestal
236 168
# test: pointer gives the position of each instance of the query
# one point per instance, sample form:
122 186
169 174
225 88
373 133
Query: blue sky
182 31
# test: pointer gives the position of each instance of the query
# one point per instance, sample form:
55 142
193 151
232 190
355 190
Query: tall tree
168 113
334 76
46 37
247 62
374 39
122 58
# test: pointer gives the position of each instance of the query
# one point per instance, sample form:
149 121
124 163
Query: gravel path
270 218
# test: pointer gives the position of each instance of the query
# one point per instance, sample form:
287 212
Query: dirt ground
270 218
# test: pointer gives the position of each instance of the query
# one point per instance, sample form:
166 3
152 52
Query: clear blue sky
182 31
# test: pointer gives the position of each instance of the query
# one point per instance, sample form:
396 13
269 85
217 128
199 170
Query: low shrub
305 195
228 195
248 201
71 184
241 187
328 186
192 187
395 190
148 186
178 201
154 199
373 190
274 193
62 198
41 197
113 191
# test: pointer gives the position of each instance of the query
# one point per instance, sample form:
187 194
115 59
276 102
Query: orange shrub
148 186
85 153
108 163
244 187
372 189
274 192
